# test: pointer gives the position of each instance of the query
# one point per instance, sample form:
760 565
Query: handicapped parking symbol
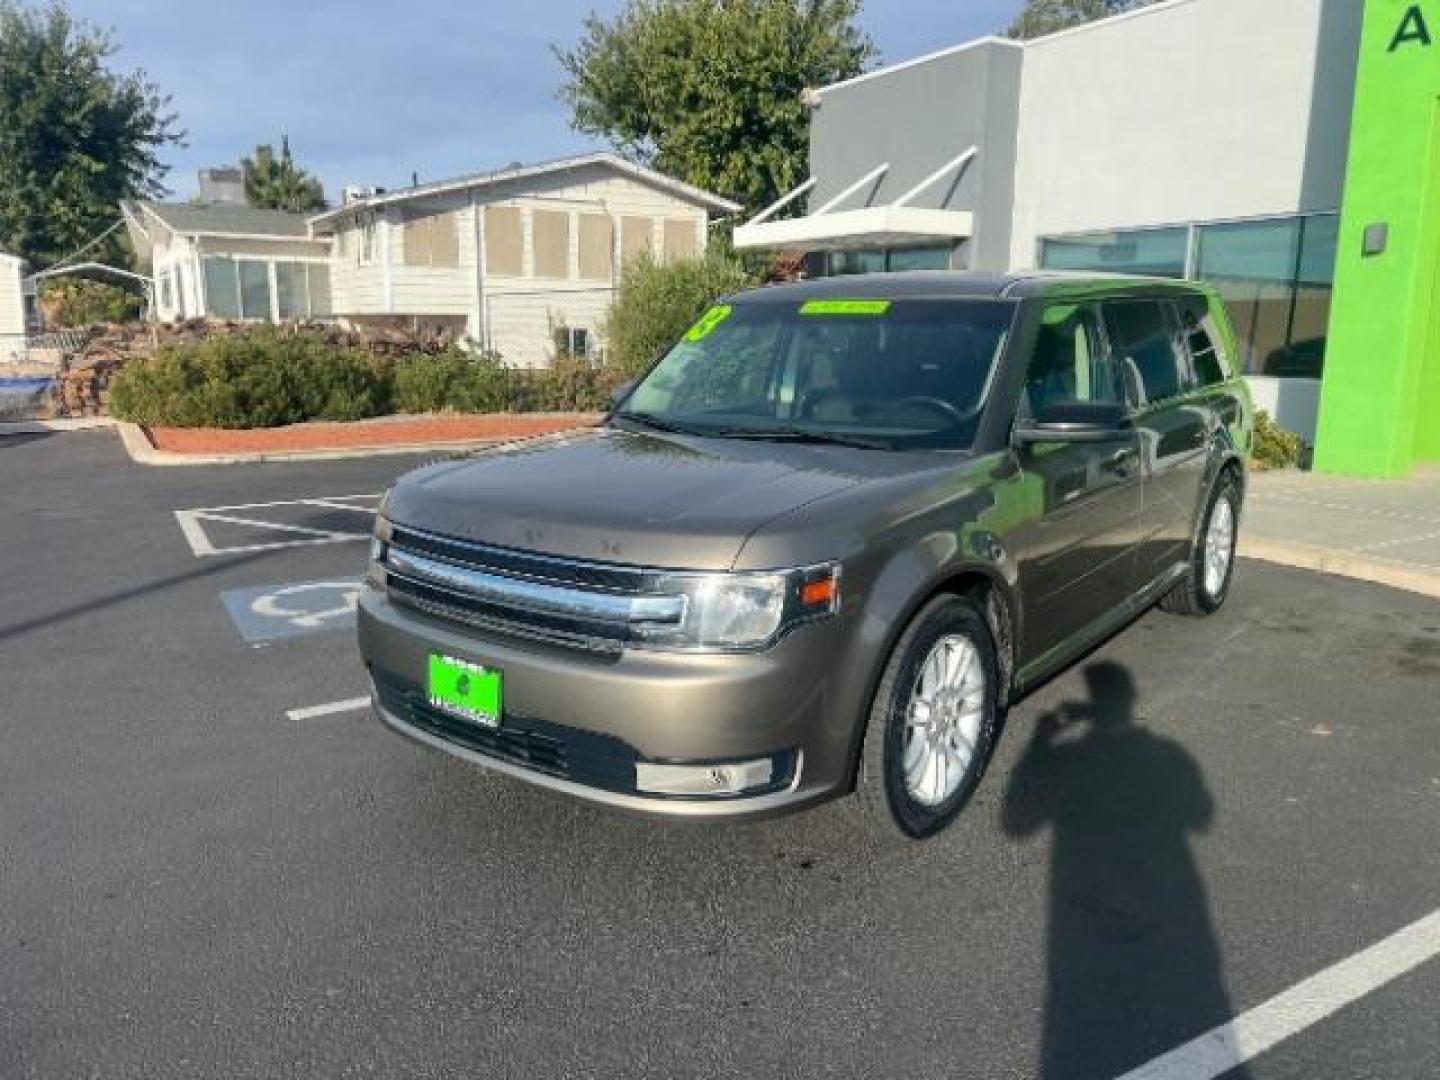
270 612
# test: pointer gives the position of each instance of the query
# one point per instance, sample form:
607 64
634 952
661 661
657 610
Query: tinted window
1146 347
1203 339
905 372
1070 361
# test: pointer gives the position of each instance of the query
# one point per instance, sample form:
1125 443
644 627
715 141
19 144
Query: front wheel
1212 563
933 722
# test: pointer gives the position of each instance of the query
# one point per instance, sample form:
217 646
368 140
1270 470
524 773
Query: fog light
731 778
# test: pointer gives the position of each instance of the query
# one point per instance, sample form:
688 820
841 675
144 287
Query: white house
12 307
229 261
523 260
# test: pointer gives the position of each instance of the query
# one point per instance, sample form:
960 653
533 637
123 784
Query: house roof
227 219
525 172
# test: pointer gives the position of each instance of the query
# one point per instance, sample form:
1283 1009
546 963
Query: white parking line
192 524
330 708
1303 1005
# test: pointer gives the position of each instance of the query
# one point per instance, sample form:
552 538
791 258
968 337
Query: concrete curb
1339 563
143 452
42 427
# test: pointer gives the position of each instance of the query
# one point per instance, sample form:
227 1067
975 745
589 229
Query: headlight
379 549
742 611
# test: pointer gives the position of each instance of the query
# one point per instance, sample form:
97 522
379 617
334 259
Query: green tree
75 136
278 183
709 90
1039 17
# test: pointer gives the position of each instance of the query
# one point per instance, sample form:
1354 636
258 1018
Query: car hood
610 495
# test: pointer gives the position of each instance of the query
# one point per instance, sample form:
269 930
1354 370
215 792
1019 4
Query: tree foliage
1040 17
73 301
75 136
709 90
277 183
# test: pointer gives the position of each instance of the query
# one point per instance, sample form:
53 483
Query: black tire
882 806
1189 596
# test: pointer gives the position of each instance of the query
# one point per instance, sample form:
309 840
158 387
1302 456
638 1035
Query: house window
572 341
637 238
365 250
679 239
550 242
291 301
597 247
318 282
254 288
167 292
222 287
431 239
504 241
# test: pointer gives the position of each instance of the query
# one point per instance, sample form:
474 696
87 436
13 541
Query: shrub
1273 446
453 379
656 304
263 378
71 301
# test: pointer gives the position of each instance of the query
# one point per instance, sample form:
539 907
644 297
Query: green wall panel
1380 401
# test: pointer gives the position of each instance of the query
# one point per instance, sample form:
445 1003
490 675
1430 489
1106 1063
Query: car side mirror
1074 422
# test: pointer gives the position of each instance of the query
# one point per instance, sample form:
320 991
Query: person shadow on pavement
1134 968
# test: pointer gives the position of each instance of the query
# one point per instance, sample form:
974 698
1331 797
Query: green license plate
466 690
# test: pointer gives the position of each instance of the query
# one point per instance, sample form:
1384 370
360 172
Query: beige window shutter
597 246
504 241
637 237
679 239
444 240
550 236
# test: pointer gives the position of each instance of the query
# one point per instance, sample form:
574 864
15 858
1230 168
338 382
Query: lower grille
600 761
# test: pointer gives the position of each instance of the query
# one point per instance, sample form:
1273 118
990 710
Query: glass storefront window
1154 252
1276 278
877 261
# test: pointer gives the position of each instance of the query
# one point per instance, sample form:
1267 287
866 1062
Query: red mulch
386 431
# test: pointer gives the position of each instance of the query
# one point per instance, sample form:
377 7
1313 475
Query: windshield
891 374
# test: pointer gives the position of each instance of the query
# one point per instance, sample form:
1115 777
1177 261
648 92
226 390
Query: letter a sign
1413 30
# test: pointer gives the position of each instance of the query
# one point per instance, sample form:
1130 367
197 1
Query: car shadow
1133 966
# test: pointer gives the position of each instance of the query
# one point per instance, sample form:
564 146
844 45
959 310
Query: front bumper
580 724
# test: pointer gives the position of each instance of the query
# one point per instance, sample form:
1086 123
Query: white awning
897 224
872 227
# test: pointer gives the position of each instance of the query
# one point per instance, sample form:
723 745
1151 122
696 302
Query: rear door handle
1123 462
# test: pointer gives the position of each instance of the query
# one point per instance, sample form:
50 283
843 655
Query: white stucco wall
1190 110
12 307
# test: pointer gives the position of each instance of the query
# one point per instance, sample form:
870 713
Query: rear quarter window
1205 341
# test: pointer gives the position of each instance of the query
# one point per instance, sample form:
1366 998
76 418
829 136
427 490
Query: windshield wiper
656 423
791 434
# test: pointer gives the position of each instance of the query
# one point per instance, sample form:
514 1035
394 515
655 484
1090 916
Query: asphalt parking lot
205 873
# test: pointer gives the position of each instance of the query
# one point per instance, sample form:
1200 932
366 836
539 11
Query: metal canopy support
75 268
949 167
870 177
782 202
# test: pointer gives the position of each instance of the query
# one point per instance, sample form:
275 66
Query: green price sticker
708 322
845 307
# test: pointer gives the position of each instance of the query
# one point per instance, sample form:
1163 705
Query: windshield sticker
708 322
845 307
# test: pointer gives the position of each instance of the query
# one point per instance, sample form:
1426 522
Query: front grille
585 757
560 601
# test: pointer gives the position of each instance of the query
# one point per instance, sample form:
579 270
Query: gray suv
820 547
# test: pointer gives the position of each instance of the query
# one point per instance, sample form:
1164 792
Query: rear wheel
933 722
1212 564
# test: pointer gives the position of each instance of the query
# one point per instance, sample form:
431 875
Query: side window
1070 362
1203 338
1147 349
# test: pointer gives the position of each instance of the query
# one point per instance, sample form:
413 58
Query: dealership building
1286 151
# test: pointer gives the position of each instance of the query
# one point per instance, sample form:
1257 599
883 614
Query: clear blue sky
371 91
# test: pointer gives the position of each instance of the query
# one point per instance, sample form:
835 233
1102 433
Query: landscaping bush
1274 447
453 380
656 304
264 378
